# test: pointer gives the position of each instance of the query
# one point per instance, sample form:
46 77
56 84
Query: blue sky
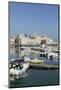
34 18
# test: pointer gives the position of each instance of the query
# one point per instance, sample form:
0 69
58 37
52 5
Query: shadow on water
16 83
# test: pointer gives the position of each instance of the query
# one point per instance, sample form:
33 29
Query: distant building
42 41
22 39
38 40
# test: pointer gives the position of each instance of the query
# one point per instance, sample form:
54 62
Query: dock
43 66
33 65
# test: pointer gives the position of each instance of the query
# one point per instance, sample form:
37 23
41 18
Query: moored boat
34 60
18 70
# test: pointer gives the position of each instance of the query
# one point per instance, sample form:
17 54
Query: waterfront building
22 40
38 40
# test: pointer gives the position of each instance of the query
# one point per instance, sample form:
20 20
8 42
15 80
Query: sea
35 77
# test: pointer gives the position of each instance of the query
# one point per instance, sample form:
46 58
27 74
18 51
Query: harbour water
36 77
